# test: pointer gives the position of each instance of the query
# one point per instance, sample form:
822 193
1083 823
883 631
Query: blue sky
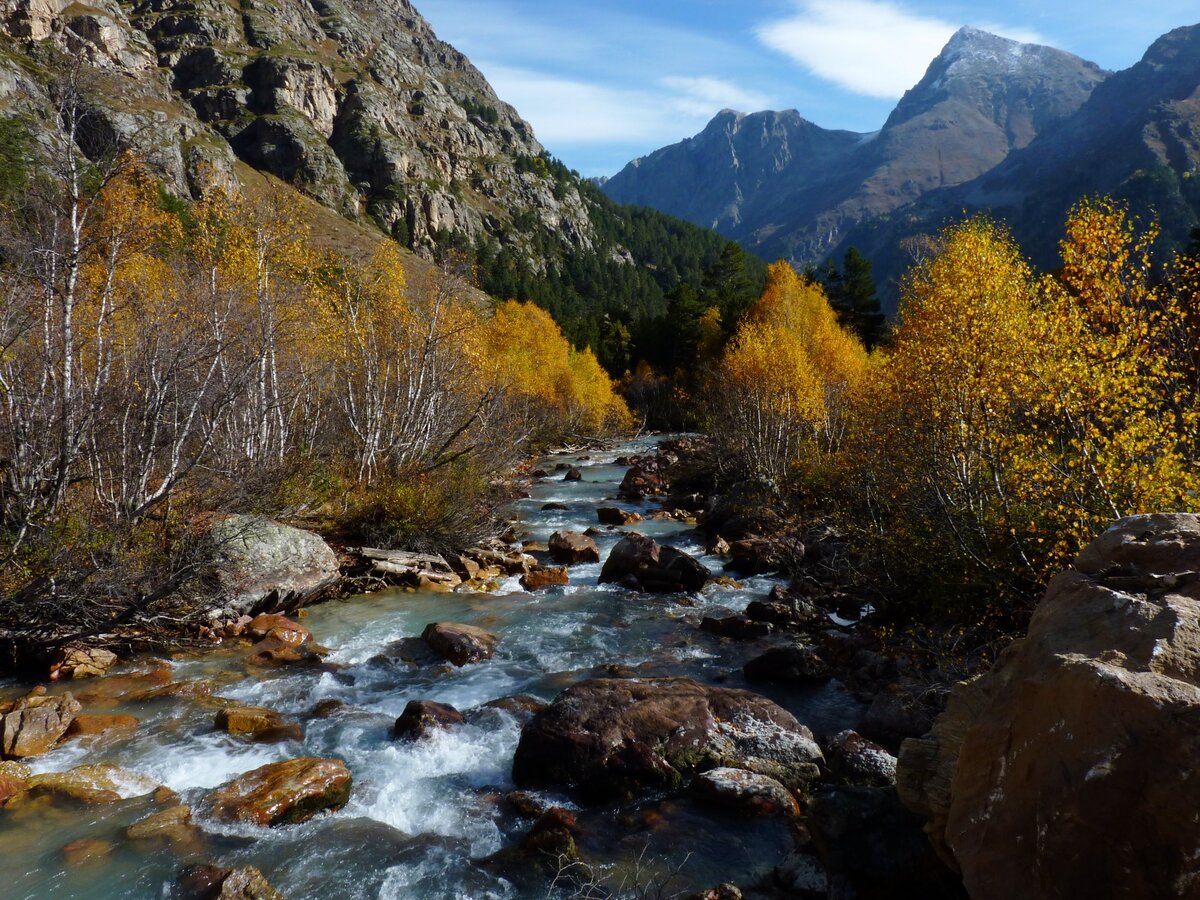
605 81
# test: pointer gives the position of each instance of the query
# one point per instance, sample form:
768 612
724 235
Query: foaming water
421 815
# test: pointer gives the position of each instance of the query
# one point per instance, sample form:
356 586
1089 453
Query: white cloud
570 111
704 96
870 47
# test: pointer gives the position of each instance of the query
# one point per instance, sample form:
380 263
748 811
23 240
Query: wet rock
1079 745
525 804
274 650
77 661
615 738
85 725
873 848
172 826
283 793
545 577
552 835
258 724
611 515
640 562
14 779
573 549
852 759
327 708
555 507
464 567
539 473
216 883
422 717
261 565
460 644
175 690
521 706
272 624
86 850
788 665
35 724
573 475
89 785
717 546
737 627
642 481
746 791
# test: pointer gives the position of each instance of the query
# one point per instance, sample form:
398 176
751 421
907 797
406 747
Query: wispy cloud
871 47
570 111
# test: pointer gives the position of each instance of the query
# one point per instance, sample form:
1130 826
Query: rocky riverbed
293 764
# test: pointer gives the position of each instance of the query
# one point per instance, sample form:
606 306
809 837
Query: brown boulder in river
257 723
423 717
614 738
641 563
570 548
1069 769
544 578
283 793
35 723
460 644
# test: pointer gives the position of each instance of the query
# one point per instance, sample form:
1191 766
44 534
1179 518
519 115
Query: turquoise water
422 815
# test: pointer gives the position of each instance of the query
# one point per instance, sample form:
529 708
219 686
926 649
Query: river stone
736 627
267 624
612 515
14 779
573 549
460 644
746 791
853 759
36 723
283 793
545 577
86 850
76 661
84 725
216 883
613 738
422 717
257 723
172 826
573 474
1077 751
91 784
261 565
638 561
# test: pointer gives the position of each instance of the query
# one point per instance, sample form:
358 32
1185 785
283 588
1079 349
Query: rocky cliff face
1069 770
981 99
355 102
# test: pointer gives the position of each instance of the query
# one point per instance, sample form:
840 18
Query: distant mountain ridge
1021 129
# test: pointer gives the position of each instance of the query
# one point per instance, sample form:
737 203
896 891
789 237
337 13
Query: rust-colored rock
217 883
283 793
172 826
639 562
746 791
545 577
282 627
573 549
257 723
14 779
88 785
86 850
35 724
77 661
460 644
1069 769
85 725
612 515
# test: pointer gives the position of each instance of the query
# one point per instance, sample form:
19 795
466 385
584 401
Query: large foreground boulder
572 549
1069 770
259 565
640 563
616 739
282 793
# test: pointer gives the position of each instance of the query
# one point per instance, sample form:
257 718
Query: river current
422 815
